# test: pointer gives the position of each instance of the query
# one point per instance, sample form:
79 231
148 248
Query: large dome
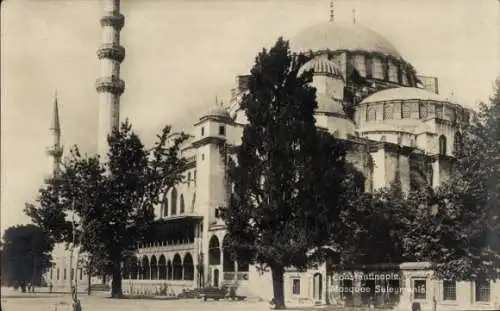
335 36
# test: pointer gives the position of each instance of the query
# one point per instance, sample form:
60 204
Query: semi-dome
321 65
404 93
334 36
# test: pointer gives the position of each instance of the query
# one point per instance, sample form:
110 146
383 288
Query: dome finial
332 16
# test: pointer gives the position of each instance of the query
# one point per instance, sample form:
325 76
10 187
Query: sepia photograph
340 155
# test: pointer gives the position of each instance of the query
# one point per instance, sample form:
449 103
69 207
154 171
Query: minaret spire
109 85
332 16
354 16
56 150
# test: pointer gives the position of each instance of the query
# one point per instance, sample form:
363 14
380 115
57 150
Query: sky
181 54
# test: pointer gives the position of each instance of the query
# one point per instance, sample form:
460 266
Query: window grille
482 291
296 287
388 111
449 290
405 111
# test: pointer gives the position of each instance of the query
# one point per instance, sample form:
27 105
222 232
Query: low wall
156 287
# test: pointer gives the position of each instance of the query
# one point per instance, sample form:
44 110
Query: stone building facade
399 127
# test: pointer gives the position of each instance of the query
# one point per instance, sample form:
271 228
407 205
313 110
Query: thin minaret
332 16
354 16
56 151
109 85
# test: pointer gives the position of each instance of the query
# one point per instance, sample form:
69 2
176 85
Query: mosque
399 128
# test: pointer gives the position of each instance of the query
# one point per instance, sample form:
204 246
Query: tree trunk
327 289
278 287
89 283
116 282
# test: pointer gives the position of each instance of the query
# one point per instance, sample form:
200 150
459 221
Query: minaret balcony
111 51
55 152
114 20
113 85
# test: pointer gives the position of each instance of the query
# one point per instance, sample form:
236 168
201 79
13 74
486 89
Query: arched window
164 208
146 271
64 274
169 270
457 143
134 269
214 251
162 268
188 267
154 268
442 145
193 203
189 179
173 202
181 209
177 267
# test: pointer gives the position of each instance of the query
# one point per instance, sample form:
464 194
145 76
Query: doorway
318 287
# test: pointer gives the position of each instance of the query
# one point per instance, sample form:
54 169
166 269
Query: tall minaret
109 85
56 151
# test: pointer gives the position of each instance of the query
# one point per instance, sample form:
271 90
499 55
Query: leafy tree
461 233
113 200
25 255
288 175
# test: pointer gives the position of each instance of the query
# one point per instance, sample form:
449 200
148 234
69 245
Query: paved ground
17 301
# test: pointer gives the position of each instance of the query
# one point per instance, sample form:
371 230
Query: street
17 301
